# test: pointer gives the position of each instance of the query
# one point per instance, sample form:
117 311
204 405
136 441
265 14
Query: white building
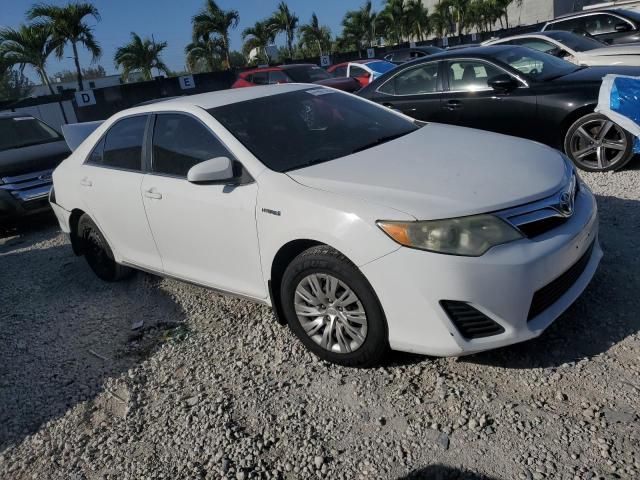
528 12
58 87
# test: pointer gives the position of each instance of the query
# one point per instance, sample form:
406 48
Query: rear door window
602 24
278 76
121 147
414 81
260 78
180 142
575 25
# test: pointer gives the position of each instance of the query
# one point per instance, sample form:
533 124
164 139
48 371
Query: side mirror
622 27
216 170
558 52
503 83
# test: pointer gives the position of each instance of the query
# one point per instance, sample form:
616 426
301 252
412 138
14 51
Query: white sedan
575 48
361 228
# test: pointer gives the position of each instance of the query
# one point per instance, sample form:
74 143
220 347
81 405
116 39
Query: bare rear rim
598 144
330 313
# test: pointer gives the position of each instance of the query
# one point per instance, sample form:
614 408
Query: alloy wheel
330 313
598 144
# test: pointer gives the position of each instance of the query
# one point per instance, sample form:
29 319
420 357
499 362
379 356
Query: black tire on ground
98 253
326 260
590 124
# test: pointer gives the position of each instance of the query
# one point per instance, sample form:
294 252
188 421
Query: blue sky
169 20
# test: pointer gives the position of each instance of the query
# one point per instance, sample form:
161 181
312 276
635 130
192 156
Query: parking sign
86 98
371 52
187 82
325 61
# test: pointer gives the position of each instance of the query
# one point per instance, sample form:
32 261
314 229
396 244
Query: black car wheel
596 144
98 253
332 309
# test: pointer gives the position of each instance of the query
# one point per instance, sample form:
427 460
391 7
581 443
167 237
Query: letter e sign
187 82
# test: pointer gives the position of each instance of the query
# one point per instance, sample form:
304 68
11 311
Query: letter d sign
86 98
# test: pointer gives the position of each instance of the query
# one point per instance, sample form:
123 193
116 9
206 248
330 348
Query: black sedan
512 90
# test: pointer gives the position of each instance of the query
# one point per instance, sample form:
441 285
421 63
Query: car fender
287 211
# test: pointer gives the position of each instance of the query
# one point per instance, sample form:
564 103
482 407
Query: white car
361 228
575 48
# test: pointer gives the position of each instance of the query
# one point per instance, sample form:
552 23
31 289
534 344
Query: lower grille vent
470 322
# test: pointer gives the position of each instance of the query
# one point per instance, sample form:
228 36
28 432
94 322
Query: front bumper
500 284
25 194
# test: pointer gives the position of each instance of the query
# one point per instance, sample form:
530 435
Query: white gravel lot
213 387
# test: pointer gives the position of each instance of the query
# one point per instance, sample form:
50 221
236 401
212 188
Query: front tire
98 253
332 309
596 144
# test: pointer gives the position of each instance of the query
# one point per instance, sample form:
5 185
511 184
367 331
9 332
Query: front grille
29 187
470 322
552 292
534 229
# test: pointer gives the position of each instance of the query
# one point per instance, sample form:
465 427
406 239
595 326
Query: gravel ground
213 387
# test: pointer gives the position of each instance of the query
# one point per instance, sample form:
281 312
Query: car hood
18 161
630 49
346 84
595 74
442 171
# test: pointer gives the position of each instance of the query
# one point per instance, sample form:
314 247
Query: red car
364 71
297 73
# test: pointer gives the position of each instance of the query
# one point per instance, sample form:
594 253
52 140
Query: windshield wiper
379 141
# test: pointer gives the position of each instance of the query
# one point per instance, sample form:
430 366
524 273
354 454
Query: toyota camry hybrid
364 229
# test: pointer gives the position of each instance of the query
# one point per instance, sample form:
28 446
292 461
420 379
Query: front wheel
596 144
332 309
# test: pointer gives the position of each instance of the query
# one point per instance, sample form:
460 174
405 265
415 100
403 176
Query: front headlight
469 236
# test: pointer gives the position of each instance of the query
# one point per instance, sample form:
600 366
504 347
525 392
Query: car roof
479 51
223 97
15 115
553 34
581 13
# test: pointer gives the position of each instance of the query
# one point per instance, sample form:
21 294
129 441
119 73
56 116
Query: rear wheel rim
330 313
598 144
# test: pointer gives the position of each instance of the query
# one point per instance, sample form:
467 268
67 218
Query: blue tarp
620 101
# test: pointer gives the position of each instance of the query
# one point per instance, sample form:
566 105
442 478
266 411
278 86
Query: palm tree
68 26
213 21
417 19
260 36
28 45
283 20
141 55
394 19
204 51
459 9
359 26
315 34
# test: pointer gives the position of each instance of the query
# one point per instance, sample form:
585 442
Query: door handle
151 193
85 182
453 105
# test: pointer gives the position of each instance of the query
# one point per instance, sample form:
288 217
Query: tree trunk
45 79
319 47
77 62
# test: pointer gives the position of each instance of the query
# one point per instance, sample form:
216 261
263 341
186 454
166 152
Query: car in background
610 26
575 48
29 151
336 212
404 55
516 91
294 73
365 71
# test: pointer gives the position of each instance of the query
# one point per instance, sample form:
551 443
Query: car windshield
307 74
577 43
297 129
16 132
381 67
536 65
